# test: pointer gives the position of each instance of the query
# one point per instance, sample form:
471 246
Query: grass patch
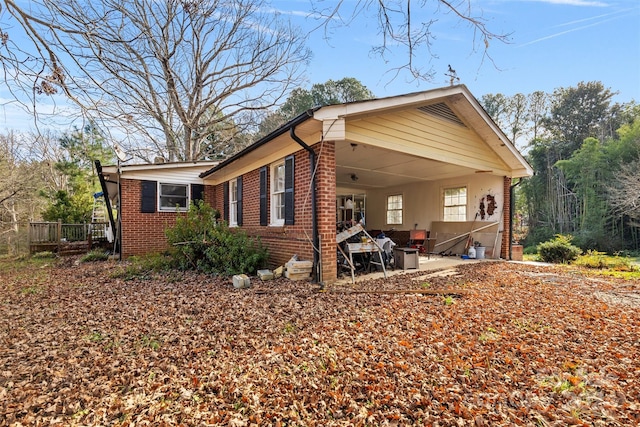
95 255
95 337
143 267
15 263
600 260
43 255
31 290
448 300
151 342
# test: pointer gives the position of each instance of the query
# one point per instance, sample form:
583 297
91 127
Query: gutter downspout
317 264
512 208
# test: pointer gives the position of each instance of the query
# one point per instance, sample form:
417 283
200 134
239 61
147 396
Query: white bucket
480 252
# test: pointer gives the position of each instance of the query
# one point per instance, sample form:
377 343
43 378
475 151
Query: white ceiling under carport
364 167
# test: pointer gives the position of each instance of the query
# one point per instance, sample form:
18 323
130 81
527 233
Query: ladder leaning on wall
99 215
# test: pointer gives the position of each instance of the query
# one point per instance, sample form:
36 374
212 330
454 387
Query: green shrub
200 242
95 255
558 250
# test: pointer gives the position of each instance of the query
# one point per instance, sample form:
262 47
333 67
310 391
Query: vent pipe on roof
317 264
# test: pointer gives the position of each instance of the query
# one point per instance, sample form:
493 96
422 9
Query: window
233 203
394 209
455 204
277 193
173 197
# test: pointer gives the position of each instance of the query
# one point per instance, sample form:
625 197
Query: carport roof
453 103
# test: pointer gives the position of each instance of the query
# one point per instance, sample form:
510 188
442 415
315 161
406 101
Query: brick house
431 160
147 197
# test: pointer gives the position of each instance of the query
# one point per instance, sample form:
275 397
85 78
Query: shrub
559 250
95 255
202 243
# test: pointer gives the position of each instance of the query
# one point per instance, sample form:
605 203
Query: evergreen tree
73 202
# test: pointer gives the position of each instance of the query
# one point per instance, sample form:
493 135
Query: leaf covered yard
516 345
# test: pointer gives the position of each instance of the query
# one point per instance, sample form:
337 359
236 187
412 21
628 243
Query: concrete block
265 274
241 281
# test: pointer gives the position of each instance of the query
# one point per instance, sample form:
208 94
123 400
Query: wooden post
59 234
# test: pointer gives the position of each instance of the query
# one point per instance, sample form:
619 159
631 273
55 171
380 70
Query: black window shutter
148 197
197 192
263 196
225 202
289 173
239 199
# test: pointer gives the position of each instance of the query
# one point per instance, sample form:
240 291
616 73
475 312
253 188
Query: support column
326 205
506 230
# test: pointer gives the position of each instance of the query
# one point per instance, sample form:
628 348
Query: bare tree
519 117
19 183
538 109
172 71
176 75
400 27
624 192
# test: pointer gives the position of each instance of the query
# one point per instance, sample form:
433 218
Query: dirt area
483 344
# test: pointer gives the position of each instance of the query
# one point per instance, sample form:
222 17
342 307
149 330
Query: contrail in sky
616 15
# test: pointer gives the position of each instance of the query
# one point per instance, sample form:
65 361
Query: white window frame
395 207
276 193
233 203
454 206
161 197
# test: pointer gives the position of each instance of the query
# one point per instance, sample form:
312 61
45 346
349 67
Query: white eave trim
371 106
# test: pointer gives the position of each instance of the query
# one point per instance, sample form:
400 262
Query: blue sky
553 43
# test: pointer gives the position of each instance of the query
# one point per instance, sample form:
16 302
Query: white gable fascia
371 106
526 169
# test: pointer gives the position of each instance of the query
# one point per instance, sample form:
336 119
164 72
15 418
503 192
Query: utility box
406 258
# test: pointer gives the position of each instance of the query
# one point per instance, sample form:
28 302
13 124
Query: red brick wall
506 237
143 233
285 241
326 195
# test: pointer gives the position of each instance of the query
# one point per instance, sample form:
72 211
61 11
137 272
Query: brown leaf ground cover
524 345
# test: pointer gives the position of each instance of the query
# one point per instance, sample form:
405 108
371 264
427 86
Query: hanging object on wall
488 209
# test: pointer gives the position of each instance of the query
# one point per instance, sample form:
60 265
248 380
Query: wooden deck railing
65 238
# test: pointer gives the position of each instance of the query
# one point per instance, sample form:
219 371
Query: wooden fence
65 239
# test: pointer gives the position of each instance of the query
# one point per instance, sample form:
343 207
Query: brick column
326 208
